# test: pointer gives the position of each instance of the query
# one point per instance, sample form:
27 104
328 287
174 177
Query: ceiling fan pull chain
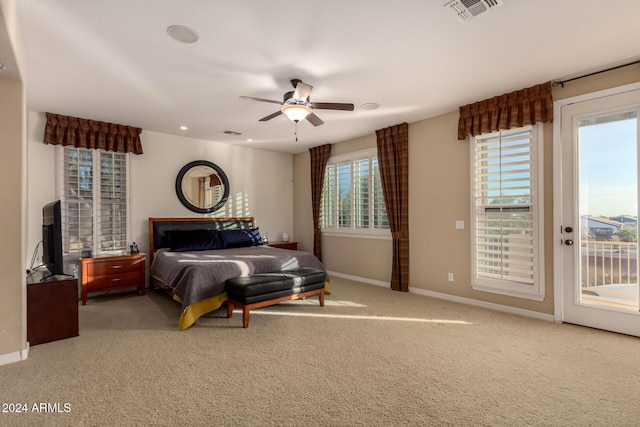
295 130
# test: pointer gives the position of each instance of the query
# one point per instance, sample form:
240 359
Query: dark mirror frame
183 199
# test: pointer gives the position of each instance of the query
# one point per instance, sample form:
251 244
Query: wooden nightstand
107 273
284 245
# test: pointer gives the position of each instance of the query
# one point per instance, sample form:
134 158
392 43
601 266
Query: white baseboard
454 298
16 356
359 279
484 304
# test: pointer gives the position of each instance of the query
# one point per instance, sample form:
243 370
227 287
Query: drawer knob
117 279
116 266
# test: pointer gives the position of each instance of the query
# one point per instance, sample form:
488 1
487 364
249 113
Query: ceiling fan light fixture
296 112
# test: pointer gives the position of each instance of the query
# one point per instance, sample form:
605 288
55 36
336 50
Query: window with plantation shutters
506 217
352 199
94 200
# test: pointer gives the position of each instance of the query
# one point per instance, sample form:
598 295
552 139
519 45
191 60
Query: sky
608 168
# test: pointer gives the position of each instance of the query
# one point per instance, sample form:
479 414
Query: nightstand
105 273
284 245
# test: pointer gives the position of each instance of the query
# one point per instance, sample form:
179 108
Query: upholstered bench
262 290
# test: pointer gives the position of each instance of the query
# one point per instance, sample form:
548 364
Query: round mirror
202 186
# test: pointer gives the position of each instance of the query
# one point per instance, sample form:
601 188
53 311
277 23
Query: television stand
52 308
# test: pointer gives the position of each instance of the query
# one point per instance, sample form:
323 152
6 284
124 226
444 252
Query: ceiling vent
466 10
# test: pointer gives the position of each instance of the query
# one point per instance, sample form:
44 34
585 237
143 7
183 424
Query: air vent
466 10
231 132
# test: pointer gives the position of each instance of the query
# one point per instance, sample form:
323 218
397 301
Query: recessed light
370 106
249 140
183 128
182 34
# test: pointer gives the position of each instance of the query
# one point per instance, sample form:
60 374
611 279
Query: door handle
568 242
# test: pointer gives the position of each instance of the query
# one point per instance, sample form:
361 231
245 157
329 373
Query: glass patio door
599 242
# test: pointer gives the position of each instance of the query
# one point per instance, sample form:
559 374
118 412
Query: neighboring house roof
604 221
626 219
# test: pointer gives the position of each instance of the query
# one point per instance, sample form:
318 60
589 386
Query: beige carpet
370 357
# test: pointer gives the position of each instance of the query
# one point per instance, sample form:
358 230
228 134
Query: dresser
106 273
285 245
52 308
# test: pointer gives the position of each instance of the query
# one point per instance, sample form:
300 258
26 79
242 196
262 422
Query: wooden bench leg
245 317
321 298
229 310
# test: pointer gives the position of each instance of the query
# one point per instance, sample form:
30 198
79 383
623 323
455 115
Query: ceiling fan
297 105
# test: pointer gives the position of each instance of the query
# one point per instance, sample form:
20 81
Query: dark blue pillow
240 238
193 240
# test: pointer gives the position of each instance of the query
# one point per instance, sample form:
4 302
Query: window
507 209
94 200
352 199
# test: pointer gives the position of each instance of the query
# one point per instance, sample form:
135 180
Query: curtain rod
561 83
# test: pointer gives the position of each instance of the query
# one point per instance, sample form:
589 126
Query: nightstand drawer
114 281
119 266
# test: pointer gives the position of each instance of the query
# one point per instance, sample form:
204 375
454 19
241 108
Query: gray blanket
195 276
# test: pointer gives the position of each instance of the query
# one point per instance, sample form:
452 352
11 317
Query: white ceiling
112 60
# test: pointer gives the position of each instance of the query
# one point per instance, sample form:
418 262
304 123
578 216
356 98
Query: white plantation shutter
328 212
361 176
506 201
94 200
343 192
112 230
77 200
377 203
352 199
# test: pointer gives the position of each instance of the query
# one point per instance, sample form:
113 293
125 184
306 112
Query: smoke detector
466 10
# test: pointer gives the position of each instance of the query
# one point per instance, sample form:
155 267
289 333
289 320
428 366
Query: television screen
52 238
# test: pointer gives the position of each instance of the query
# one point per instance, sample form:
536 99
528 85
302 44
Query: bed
192 258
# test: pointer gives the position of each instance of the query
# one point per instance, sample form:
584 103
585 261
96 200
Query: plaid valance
515 109
84 133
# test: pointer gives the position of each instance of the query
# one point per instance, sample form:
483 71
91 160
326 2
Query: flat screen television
52 238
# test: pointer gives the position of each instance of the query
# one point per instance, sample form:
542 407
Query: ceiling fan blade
314 120
302 91
251 98
332 106
270 116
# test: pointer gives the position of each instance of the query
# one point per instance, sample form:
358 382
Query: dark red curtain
83 133
515 109
393 161
319 157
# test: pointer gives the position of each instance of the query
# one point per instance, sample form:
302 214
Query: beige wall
12 280
439 195
12 199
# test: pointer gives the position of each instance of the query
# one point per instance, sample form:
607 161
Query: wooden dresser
52 308
285 245
107 273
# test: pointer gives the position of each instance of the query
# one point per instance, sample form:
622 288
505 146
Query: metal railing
609 268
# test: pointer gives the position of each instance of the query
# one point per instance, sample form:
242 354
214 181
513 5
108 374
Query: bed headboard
159 226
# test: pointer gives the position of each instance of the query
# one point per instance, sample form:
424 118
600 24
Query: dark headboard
159 226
